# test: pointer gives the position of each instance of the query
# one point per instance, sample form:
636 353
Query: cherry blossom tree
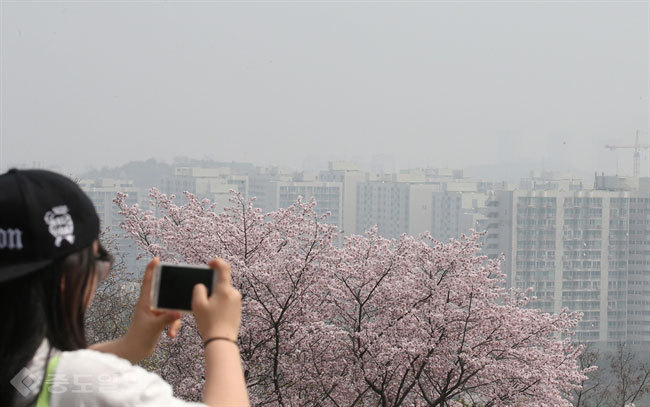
112 306
427 323
381 322
277 261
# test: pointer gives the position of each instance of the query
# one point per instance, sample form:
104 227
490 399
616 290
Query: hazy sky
437 83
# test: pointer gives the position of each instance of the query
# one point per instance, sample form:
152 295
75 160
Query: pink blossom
372 321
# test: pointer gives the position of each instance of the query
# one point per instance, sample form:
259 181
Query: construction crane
637 155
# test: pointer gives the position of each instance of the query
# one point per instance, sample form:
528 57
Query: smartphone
172 285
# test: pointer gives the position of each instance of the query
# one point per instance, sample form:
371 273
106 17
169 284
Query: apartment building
417 201
328 195
102 192
384 204
584 249
262 189
214 184
349 175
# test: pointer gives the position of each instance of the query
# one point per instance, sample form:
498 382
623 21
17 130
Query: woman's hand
220 314
147 324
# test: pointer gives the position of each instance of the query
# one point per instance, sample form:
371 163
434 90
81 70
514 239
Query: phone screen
177 283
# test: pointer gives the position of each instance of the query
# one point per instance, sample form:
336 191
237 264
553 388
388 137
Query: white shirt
90 378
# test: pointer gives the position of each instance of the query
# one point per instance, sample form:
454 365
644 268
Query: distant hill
143 173
146 174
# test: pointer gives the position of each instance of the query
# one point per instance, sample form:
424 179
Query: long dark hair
47 304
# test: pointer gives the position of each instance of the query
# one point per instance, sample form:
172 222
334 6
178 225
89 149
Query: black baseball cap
44 216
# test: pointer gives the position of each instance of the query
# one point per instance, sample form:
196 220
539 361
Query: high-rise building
328 195
214 184
384 204
101 193
587 250
456 212
349 175
262 189
277 187
438 201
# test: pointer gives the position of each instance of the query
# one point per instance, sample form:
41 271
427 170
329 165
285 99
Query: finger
223 271
174 327
199 297
145 289
170 316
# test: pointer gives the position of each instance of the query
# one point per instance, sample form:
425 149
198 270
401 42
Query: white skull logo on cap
60 224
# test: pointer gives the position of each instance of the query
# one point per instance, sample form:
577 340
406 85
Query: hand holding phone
146 324
219 314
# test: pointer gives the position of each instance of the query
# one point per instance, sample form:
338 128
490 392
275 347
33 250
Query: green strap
45 395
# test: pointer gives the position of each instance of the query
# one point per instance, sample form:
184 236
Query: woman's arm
224 376
219 316
146 326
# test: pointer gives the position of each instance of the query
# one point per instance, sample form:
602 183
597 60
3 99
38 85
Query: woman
50 265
